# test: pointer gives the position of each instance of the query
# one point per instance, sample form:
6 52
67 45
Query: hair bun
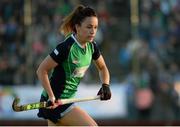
80 8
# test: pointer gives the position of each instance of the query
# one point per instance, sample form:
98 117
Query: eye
89 27
95 27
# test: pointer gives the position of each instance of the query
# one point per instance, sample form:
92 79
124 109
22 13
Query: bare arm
104 92
103 71
42 72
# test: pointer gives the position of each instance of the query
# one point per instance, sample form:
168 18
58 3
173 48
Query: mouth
91 37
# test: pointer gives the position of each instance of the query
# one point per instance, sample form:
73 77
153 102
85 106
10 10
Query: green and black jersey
73 61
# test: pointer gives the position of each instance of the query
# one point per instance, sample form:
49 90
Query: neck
82 43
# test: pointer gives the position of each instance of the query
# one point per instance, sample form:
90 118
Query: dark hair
77 16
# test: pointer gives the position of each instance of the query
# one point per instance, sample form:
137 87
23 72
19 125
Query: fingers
105 92
55 104
107 95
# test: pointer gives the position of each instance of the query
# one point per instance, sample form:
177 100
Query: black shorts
54 114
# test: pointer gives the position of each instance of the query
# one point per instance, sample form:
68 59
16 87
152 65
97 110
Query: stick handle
72 100
38 105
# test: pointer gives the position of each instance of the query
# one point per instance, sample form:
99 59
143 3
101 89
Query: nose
93 31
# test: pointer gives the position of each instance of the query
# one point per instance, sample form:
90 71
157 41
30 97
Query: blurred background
139 39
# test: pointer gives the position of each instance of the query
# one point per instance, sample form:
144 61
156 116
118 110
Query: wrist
52 98
105 84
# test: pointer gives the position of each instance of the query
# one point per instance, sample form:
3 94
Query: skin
87 30
71 119
85 33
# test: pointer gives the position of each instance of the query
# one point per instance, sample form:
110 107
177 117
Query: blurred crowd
152 61
12 54
148 61
23 46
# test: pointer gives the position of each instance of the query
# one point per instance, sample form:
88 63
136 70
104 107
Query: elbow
41 71
38 71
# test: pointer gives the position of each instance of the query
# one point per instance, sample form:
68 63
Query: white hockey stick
38 105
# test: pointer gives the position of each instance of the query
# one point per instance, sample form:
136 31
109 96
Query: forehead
90 21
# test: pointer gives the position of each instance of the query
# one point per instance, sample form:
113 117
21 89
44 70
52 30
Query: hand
104 92
53 103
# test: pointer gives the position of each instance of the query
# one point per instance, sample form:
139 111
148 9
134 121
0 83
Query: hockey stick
38 105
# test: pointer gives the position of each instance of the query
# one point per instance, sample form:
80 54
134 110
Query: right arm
42 72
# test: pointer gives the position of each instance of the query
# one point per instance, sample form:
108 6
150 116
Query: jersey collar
72 35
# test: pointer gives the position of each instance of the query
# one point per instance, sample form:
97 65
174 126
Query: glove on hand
104 92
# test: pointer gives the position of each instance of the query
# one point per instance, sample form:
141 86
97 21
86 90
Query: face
87 30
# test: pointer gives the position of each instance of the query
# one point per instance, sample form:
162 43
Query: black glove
104 92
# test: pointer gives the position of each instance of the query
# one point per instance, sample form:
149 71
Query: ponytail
75 17
67 25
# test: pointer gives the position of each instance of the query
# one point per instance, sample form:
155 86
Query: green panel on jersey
73 61
75 67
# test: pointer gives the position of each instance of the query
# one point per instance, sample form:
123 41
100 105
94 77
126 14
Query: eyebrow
91 25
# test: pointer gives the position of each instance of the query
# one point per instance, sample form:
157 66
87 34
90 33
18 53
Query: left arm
104 92
103 70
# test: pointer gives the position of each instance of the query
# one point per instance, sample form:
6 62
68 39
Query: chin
91 40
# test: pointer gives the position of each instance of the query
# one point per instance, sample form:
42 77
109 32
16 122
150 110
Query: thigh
50 123
77 117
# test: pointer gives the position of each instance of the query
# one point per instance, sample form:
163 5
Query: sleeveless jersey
73 61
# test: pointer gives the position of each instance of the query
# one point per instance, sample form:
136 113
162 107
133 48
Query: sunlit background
139 39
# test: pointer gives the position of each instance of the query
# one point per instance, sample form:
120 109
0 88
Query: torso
73 61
